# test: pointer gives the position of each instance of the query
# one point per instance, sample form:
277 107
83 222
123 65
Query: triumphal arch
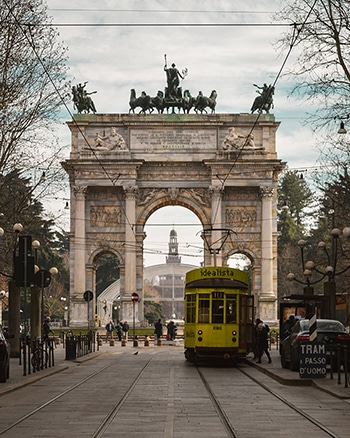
123 167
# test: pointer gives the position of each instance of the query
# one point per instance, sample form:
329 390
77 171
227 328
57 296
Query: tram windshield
231 309
203 308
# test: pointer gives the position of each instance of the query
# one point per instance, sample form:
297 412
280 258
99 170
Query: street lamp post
135 299
42 279
329 272
331 268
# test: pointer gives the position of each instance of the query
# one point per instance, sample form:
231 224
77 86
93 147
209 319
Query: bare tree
33 84
321 31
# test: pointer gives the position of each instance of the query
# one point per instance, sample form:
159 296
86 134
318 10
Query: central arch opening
172 247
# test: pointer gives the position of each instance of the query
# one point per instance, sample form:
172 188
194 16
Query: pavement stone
18 379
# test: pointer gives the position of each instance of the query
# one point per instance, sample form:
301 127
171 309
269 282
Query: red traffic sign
134 297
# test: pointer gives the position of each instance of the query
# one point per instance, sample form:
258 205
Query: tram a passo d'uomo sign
313 360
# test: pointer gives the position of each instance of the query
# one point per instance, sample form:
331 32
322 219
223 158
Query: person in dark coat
262 341
288 326
158 329
126 329
47 329
171 331
119 330
109 330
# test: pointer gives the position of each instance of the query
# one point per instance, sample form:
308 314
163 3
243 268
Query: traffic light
24 262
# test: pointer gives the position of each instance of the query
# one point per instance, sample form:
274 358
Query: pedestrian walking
171 331
125 329
47 329
158 329
109 330
119 330
262 341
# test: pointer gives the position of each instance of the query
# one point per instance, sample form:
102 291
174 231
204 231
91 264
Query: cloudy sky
226 45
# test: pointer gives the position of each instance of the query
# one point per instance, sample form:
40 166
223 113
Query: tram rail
232 433
206 383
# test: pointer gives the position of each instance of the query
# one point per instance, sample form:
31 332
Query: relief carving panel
105 216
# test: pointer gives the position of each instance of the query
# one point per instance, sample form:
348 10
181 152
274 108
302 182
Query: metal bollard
159 342
124 343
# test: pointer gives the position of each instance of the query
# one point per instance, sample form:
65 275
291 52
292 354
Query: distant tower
173 256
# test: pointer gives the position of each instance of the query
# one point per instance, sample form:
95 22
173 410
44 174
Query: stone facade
123 167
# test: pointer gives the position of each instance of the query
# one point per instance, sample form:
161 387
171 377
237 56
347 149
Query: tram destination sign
312 360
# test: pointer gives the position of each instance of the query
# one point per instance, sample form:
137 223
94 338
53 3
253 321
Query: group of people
171 330
122 329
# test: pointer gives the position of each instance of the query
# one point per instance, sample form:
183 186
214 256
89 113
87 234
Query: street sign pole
88 296
134 299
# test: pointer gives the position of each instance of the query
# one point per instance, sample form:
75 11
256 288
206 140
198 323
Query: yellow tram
218 314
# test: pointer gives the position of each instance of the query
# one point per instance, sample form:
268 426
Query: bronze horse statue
203 102
264 102
144 102
82 101
187 102
157 102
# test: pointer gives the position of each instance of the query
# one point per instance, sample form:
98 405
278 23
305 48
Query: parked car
4 357
328 330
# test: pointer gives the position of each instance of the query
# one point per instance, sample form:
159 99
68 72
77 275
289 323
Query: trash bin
71 348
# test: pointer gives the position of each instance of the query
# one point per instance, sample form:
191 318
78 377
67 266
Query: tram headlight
200 332
234 339
234 332
200 339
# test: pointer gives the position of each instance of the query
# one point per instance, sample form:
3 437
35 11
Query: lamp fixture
342 129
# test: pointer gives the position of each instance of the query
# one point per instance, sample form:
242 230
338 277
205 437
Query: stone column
130 251
267 294
78 304
216 221
266 194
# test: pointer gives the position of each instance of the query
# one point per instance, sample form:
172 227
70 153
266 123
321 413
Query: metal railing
342 364
79 345
36 355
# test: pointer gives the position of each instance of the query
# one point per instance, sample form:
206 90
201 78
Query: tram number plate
218 295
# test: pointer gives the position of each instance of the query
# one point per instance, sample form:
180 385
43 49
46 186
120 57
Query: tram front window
217 311
191 308
231 309
203 308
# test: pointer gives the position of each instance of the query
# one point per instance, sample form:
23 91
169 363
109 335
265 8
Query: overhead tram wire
32 45
296 32
137 25
170 24
195 11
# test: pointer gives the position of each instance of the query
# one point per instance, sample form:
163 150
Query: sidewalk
287 377
18 379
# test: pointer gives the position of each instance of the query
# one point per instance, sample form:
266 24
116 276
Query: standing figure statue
173 92
82 100
263 102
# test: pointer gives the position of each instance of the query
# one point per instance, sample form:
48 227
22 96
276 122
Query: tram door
246 320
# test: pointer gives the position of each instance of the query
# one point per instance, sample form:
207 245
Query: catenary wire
32 45
156 24
296 32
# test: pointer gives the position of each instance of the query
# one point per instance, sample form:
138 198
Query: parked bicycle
40 356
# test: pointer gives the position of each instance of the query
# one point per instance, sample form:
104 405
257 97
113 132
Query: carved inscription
105 216
173 139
